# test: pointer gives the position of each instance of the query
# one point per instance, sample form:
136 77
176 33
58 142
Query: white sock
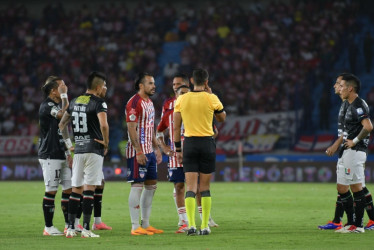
97 220
76 223
134 200
182 215
200 212
146 203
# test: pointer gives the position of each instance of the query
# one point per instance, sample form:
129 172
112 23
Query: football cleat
331 225
78 228
370 225
353 229
141 231
154 230
101 226
205 231
182 229
52 231
191 231
343 229
211 223
70 233
88 234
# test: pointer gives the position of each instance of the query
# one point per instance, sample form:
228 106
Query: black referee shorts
199 154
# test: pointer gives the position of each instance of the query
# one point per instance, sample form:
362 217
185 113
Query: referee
196 110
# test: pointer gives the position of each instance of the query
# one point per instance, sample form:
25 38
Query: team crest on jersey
132 117
347 171
104 105
359 111
51 103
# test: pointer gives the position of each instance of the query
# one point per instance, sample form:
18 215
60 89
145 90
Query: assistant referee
196 110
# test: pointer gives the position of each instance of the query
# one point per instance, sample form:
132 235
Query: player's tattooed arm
63 126
365 131
63 90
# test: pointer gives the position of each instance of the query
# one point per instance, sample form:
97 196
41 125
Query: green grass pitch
250 216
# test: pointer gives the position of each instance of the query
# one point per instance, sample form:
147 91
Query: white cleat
211 223
70 233
52 231
88 234
343 229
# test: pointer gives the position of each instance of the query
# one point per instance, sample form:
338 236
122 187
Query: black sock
88 201
48 208
80 208
359 207
65 206
339 210
97 202
74 201
369 203
347 201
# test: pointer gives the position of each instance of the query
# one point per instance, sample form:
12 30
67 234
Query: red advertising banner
15 145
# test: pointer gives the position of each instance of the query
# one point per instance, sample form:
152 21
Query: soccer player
142 155
336 223
88 113
176 173
52 153
350 174
196 110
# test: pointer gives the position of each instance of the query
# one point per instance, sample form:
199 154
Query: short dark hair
184 77
50 83
139 79
353 81
200 76
344 74
95 78
182 87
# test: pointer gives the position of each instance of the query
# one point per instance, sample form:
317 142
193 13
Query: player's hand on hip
349 144
104 144
180 157
141 159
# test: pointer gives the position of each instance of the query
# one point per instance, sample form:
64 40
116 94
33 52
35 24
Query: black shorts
199 154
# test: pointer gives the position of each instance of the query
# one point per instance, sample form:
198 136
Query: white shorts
350 168
55 172
87 169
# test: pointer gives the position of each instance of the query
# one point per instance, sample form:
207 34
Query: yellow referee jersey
197 109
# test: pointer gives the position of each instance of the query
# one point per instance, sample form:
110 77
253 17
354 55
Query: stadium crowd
265 58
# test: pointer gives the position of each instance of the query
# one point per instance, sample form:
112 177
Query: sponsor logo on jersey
359 111
83 99
142 136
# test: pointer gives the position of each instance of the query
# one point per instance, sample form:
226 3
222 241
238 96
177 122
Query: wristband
68 143
178 144
67 153
139 153
64 95
355 140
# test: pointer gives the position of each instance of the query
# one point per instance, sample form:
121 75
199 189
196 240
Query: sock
146 203
65 207
200 209
339 210
347 201
88 202
74 201
98 196
190 202
134 204
80 207
48 208
369 203
182 215
76 223
206 204
175 202
359 207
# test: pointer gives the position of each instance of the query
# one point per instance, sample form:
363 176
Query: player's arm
140 156
330 151
104 128
156 149
215 130
367 127
63 126
177 136
162 126
63 90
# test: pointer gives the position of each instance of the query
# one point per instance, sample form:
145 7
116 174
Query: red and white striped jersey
168 104
143 112
167 122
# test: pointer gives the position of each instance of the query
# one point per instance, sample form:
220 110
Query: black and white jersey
85 123
357 111
341 117
51 143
